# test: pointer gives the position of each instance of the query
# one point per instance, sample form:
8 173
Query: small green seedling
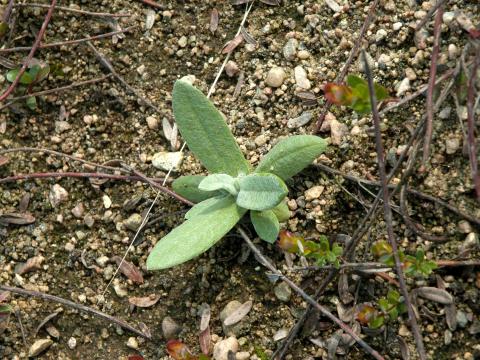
390 308
320 251
5 311
354 94
233 188
35 73
416 265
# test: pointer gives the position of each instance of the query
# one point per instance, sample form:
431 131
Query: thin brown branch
263 260
472 147
353 54
69 42
56 90
388 213
431 86
8 11
72 10
434 8
22 329
34 48
76 306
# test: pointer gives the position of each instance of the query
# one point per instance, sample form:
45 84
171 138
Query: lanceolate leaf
281 211
266 225
194 236
261 191
206 206
187 186
205 131
219 182
292 155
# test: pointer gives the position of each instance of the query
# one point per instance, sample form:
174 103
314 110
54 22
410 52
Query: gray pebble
170 328
290 49
283 292
275 77
302 120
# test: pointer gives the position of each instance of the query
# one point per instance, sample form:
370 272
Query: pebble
132 343
57 195
397 26
78 210
338 131
471 242
301 78
107 202
462 319
170 328
452 51
280 334
275 77
221 348
448 17
464 227
303 54
290 49
242 355
410 74
283 292
465 22
152 122
448 337
167 160
260 140
141 69
89 220
403 331
119 289
102 260
231 68
72 343
39 346
302 120
229 309
133 222
370 61
62 126
182 42
445 113
452 145
332 4
380 35
403 86
314 192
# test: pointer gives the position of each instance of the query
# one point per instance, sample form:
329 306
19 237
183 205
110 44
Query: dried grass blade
214 20
248 38
232 44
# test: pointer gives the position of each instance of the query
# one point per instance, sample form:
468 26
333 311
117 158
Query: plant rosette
233 188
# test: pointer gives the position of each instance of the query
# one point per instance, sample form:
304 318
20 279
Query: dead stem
388 212
72 10
434 8
34 48
76 306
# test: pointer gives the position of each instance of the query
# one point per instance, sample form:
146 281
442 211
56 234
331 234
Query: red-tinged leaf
135 357
144 302
32 264
290 242
4 296
366 313
129 270
16 219
338 94
205 340
179 351
232 44
474 33
214 20
4 160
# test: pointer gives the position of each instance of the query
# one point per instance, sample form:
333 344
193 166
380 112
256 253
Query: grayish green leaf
266 225
281 211
205 131
261 191
219 182
292 155
31 102
187 186
206 206
194 236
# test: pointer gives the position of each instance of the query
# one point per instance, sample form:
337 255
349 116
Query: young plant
320 251
390 308
179 351
416 265
36 72
5 311
354 94
233 188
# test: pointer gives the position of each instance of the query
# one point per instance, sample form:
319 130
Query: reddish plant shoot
179 351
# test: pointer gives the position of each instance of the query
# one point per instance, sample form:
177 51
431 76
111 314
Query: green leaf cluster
233 187
323 253
390 308
361 96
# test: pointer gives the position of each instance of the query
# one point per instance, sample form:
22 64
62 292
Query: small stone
370 62
141 69
39 346
290 49
410 74
403 331
452 51
88 220
380 35
102 261
452 145
133 222
167 160
221 348
242 355
57 195
275 77
132 343
231 68
338 131
462 319
464 21
182 42
464 227
403 86
292 204
283 292
314 192
119 289
397 26
302 120
170 328
448 17
229 309
78 210
53 331
301 78
72 343
62 126
445 113
280 334
152 122
260 140
303 54
470 243
107 202
69 247
447 337
332 4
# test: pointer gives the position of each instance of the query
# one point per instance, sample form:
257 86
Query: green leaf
291 155
3 29
205 206
194 236
281 211
219 182
25 79
205 131
31 102
393 296
383 304
261 191
376 322
187 186
266 225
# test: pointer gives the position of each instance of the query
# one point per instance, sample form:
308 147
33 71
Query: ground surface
104 121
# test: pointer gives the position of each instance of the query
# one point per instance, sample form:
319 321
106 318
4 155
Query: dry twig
73 10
